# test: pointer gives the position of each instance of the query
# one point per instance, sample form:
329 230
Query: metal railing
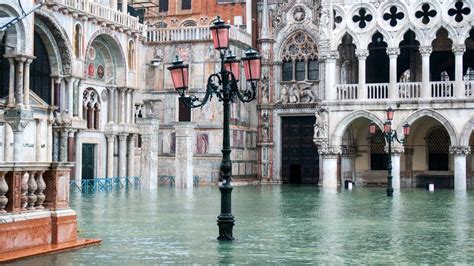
170 180
104 184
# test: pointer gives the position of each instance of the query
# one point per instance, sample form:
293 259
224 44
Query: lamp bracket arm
247 95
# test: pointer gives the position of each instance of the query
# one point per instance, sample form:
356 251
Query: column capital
459 49
460 150
110 137
122 136
425 50
362 53
329 151
393 51
330 55
397 149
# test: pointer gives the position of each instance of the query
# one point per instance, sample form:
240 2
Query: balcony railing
406 90
26 187
101 12
164 35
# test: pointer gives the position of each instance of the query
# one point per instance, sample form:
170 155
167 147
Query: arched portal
378 57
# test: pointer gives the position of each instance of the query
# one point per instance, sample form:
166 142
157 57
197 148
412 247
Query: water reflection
274 225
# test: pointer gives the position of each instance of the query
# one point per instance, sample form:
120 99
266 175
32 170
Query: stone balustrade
406 90
187 34
26 187
100 12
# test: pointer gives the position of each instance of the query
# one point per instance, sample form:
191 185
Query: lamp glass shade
252 65
390 112
372 128
387 127
406 129
179 74
220 34
232 64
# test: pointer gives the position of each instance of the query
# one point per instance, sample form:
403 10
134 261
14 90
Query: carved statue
264 89
323 24
302 90
321 124
284 96
265 126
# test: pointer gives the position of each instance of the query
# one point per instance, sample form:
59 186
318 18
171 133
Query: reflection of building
359 60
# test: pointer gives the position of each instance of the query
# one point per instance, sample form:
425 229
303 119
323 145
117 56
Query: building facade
335 66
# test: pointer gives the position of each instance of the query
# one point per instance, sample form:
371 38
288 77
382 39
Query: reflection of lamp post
390 136
224 86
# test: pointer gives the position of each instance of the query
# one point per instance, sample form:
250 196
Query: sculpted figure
284 96
321 124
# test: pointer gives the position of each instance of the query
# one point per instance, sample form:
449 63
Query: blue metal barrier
104 184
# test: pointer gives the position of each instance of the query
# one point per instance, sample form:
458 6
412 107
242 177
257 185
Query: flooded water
274 224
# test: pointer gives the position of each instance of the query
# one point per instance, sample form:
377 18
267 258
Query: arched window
438 142
131 55
91 108
378 157
40 71
300 59
77 40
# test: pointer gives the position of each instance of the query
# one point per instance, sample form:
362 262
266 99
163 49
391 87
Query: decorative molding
460 150
425 50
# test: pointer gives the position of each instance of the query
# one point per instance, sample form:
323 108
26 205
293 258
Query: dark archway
409 60
468 58
442 57
4 69
348 61
378 57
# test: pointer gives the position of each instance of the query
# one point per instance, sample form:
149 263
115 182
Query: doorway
300 159
88 161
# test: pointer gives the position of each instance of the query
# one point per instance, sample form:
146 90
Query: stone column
18 122
149 158
125 6
78 157
131 155
362 55
122 105
348 164
132 106
392 88
110 105
459 88
11 84
460 153
425 52
185 137
71 146
331 58
8 157
110 155
50 142
329 165
26 83
64 134
397 151
19 80
122 155
75 98
69 95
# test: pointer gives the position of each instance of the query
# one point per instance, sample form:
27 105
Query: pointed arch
466 133
336 137
433 114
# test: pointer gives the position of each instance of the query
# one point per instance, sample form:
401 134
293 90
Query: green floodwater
274 224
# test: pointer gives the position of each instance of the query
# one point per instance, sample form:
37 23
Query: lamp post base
225 221
389 192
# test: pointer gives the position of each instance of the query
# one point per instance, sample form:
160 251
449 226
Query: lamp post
390 136
224 85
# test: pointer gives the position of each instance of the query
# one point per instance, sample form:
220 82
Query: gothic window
91 108
438 149
300 59
4 70
163 6
77 40
378 157
40 71
185 4
131 55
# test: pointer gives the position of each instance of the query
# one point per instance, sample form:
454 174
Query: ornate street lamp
390 136
224 85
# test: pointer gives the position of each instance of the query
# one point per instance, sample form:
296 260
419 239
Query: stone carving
425 50
264 89
320 135
301 90
460 150
3 190
39 193
62 118
329 151
324 23
284 95
152 108
18 118
265 126
299 14
31 196
202 143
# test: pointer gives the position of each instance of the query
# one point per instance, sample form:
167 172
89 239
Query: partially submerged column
149 127
131 155
110 155
329 156
185 137
122 155
397 151
348 164
460 154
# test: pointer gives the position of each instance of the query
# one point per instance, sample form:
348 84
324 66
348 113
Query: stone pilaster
460 154
149 159
328 170
185 137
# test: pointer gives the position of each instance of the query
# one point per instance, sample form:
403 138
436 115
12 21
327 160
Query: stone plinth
149 161
184 154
